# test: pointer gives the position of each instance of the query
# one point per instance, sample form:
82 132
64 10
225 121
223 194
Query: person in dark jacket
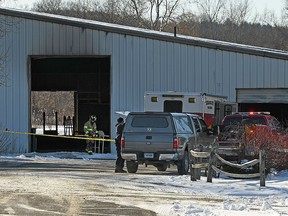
119 161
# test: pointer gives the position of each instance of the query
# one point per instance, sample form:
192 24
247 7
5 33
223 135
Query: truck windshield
150 122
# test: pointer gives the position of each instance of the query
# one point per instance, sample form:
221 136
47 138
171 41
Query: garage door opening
273 100
79 84
279 110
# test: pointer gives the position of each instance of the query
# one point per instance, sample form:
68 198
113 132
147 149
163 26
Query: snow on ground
227 196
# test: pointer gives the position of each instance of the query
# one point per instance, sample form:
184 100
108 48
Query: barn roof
146 33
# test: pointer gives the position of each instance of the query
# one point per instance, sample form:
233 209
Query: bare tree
110 11
82 8
210 10
151 14
51 102
285 13
158 12
211 15
49 6
7 1
188 24
161 12
237 11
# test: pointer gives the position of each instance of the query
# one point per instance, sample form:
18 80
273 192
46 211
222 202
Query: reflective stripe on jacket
90 129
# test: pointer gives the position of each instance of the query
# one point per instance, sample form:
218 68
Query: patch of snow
226 196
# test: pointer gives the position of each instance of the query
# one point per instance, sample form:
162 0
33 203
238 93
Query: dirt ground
64 187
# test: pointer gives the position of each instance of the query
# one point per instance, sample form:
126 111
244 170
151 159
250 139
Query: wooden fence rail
210 160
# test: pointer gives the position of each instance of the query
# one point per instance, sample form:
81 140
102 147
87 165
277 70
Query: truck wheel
161 167
183 165
132 166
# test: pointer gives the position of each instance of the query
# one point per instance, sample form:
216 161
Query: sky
237 197
258 5
275 5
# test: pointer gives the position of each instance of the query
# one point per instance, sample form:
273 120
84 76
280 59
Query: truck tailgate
148 142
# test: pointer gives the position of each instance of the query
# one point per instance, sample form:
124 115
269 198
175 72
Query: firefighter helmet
93 118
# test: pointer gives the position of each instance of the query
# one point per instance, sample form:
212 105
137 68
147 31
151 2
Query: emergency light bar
252 113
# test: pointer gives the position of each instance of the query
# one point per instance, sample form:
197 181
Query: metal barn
109 67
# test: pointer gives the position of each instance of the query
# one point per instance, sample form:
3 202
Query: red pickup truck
241 135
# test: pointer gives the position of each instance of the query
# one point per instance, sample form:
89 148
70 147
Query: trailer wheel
132 166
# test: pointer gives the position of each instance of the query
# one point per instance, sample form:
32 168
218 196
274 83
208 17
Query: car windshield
150 121
259 120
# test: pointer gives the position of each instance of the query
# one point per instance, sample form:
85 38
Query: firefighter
90 130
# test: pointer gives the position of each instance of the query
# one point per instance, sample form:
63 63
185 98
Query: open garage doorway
273 100
279 110
87 81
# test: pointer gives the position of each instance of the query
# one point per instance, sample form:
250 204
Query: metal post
212 159
262 167
199 161
193 170
64 124
210 170
56 119
44 122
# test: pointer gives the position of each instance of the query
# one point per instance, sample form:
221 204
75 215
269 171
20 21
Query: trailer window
150 122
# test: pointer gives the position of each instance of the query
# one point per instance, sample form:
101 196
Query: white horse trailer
211 107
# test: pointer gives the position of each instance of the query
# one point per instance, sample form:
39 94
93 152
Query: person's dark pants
89 145
119 161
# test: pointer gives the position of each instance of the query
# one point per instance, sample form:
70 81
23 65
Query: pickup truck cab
159 139
204 135
243 133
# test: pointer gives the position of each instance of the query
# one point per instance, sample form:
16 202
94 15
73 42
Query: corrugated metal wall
14 97
137 65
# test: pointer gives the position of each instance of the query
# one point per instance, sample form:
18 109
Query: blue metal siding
219 74
198 69
211 76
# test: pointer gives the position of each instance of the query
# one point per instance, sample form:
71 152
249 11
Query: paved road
58 187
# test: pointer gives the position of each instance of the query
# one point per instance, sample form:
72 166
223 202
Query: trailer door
222 109
173 106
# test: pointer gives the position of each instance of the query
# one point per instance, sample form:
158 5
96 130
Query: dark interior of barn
279 110
89 79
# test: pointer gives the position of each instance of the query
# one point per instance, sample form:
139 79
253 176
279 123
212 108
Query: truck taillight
175 143
122 142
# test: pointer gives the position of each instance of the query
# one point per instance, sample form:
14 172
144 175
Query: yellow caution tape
81 137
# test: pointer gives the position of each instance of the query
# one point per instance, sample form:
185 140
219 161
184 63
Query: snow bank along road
53 186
